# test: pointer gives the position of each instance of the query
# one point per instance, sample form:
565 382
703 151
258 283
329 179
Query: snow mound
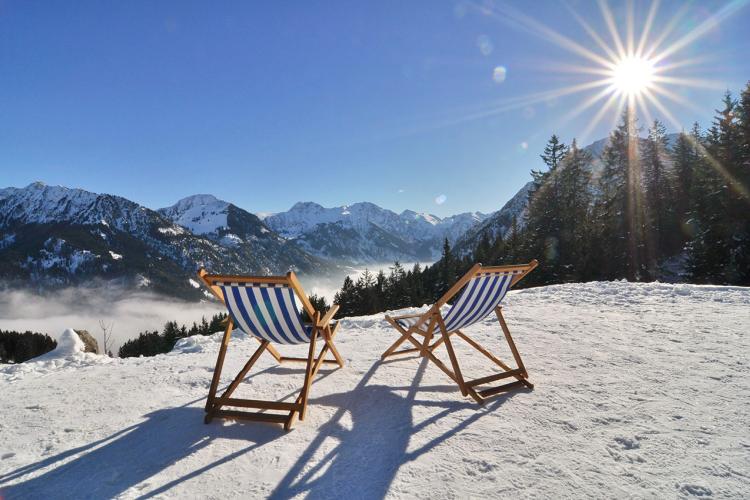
69 353
206 343
68 344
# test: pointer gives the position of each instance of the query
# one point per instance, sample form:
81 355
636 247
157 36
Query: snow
230 240
200 213
172 231
194 283
53 256
115 256
142 281
642 390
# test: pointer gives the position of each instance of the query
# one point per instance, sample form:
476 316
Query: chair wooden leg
405 334
428 337
452 355
298 408
217 369
328 338
273 352
518 373
241 375
309 374
512 344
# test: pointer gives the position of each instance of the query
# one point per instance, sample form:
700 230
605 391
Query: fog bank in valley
131 312
83 308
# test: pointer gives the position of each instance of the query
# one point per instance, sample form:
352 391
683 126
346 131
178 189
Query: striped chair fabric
267 311
481 295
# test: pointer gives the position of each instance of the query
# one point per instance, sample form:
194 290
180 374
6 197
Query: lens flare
633 75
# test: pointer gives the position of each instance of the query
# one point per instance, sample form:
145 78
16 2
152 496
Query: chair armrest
406 316
329 316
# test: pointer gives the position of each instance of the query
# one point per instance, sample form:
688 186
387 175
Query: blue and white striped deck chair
264 307
483 290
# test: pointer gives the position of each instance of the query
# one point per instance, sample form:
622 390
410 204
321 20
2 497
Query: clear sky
401 103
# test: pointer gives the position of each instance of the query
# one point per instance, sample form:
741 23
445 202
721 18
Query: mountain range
54 236
364 233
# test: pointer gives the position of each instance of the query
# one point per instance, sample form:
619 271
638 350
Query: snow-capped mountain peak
412 215
200 213
363 231
39 203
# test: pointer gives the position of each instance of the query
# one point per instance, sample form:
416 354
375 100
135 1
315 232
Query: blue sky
266 104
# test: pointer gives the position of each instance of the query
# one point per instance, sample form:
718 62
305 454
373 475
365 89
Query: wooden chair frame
435 323
322 327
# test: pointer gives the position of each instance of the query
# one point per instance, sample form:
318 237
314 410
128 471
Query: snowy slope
642 390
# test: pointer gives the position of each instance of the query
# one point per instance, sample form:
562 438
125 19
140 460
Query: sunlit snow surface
641 390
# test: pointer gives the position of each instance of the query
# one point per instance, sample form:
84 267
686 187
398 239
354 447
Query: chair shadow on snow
371 449
129 457
362 464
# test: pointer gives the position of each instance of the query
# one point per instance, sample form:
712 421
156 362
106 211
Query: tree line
17 347
643 210
153 342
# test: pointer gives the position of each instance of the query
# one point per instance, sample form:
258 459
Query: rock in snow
89 342
642 390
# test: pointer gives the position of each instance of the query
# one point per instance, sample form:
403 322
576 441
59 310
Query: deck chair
483 290
264 308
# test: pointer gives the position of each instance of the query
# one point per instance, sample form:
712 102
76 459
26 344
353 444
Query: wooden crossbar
492 378
257 403
285 359
254 416
492 391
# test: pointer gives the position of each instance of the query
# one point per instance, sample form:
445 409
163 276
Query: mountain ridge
412 235
54 236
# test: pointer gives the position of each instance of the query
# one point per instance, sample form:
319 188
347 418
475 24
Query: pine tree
447 270
543 222
620 207
483 249
742 172
170 335
575 210
657 184
743 125
733 223
553 155
684 160
707 249
346 298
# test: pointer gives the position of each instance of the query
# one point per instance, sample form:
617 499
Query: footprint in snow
695 490
627 443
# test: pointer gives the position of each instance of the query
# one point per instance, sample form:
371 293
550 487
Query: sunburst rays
625 67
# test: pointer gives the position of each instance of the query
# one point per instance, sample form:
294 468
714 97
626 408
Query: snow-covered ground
641 390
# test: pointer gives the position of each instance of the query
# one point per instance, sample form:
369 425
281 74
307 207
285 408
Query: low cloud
83 308
131 312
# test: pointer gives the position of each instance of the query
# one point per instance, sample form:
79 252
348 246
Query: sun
632 75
